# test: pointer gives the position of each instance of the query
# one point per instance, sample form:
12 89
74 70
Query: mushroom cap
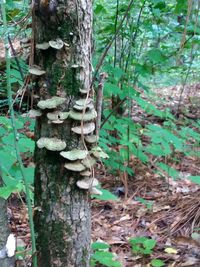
43 46
53 115
86 107
57 115
87 116
82 91
56 44
75 166
83 101
35 70
91 138
86 173
74 154
87 183
86 129
53 144
51 103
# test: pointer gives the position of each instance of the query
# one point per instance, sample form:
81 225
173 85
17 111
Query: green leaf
181 6
105 258
105 196
100 245
156 56
149 204
157 263
6 191
195 179
100 9
169 170
143 70
29 174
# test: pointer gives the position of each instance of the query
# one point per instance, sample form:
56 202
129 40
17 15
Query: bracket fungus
42 46
86 107
87 183
74 154
91 139
35 70
56 44
57 116
75 166
86 129
86 173
84 92
53 144
87 116
51 103
83 101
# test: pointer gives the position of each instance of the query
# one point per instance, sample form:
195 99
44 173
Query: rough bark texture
62 216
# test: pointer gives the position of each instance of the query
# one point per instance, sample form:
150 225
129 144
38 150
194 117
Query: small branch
99 101
110 43
113 110
16 59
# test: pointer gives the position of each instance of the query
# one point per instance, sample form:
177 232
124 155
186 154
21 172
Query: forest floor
170 213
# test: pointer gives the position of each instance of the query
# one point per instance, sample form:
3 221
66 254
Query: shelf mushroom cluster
77 160
83 114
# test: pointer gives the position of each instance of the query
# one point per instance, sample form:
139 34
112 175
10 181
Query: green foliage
142 245
101 255
10 169
106 195
148 204
157 263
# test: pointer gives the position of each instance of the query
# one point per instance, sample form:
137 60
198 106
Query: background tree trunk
62 217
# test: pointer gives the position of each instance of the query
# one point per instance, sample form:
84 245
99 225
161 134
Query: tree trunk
62 217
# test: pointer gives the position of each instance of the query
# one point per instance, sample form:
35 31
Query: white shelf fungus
74 154
75 166
50 103
56 44
87 116
86 129
91 139
53 144
87 183
35 70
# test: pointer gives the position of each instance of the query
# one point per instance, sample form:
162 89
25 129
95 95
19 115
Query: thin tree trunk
62 217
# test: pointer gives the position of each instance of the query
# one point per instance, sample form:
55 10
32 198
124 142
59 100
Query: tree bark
62 217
